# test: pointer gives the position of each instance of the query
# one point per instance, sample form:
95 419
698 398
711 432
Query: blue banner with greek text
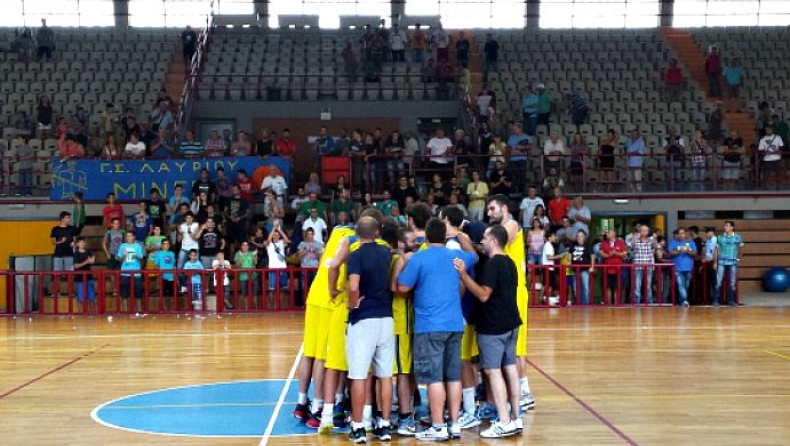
134 179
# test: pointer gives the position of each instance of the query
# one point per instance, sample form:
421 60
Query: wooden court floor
660 376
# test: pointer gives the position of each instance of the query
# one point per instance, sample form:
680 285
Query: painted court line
586 406
778 355
268 432
51 371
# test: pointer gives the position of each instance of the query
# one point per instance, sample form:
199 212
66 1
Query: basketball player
499 213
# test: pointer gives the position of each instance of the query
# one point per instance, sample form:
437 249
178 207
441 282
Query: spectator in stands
215 147
398 42
645 250
577 108
782 130
544 105
273 208
635 149
715 120
529 110
342 204
554 152
713 70
580 215
227 138
324 144
763 117
62 238
580 152
189 40
440 149
501 182
110 151
24 167
191 147
375 64
484 106
44 112
441 41
417 44
204 185
264 147
62 129
350 63
72 149
313 185
497 151
606 160
461 148
613 250
22 123
242 146
732 152
734 75
491 51
130 255
699 161
462 47
683 251
162 146
274 182
404 190
673 81
437 189
175 202
527 207
559 206
162 118
316 224
286 147
313 202
478 193
770 147
675 160
394 147
372 164
108 121
584 262
134 149
140 222
25 45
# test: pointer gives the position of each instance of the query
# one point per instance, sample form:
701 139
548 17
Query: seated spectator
108 121
497 151
135 149
316 224
501 183
242 146
129 124
22 124
215 146
190 147
162 146
340 185
580 151
342 204
72 149
673 81
437 189
313 202
732 164
275 183
552 181
455 189
162 118
272 206
554 151
313 185
264 147
286 146
111 151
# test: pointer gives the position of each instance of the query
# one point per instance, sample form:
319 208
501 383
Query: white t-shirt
135 149
438 148
224 265
187 242
527 207
398 41
548 251
553 151
276 184
440 38
771 146
483 102
276 260
318 225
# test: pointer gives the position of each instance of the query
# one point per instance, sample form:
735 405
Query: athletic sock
326 414
316 405
383 423
525 386
302 398
355 425
367 412
469 400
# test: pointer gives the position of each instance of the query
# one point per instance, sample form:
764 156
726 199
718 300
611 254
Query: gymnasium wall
22 237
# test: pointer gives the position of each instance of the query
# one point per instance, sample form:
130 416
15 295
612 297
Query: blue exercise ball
777 280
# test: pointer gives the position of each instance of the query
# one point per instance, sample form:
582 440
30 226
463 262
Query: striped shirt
728 248
644 251
191 148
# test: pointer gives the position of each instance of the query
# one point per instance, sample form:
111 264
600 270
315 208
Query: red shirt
611 247
245 187
673 76
111 212
286 147
558 209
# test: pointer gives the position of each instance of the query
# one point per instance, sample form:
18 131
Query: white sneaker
454 430
519 423
433 434
499 429
183 289
467 421
326 426
527 401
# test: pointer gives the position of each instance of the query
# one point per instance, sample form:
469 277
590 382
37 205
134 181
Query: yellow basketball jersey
402 309
515 250
342 277
319 290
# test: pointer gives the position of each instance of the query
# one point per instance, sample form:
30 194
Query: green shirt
728 249
783 130
79 214
343 206
307 205
154 241
247 262
544 103
386 206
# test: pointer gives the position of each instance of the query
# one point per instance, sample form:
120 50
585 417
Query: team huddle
427 305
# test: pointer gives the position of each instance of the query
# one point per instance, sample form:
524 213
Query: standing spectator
577 107
222 268
484 106
734 76
699 161
554 152
683 251
140 222
645 250
673 81
713 70
286 147
191 147
635 148
236 215
350 63
584 263
725 261
84 281
195 279
518 146
544 104
552 180
189 233
528 205
462 46
24 166
324 144
215 146
417 43
580 216
441 41
210 243
264 147
613 250
25 45
770 147
478 192
536 237
398 42
606 161
45 39
242 146
497 325
109 119
559 207
529 110
130 256
491 50
112 239
78 213
111 211
317 225
715 119
580 151
501 182
404 191
497 152
189 40
440 149
675 160
62 238
162 117
438 326
782 130
275 250
732 164
394 148
44 112
244 259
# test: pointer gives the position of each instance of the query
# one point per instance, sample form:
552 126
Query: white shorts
370 341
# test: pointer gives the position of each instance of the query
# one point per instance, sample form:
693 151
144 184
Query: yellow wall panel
22 238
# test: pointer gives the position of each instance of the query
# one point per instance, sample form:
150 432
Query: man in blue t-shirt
438 326
130 255
370 335
683 250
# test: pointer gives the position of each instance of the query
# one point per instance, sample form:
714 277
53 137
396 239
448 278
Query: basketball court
600 376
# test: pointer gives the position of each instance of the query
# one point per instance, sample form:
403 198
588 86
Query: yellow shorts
469 348
522 300
403 359
336 341
311 319
322 334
